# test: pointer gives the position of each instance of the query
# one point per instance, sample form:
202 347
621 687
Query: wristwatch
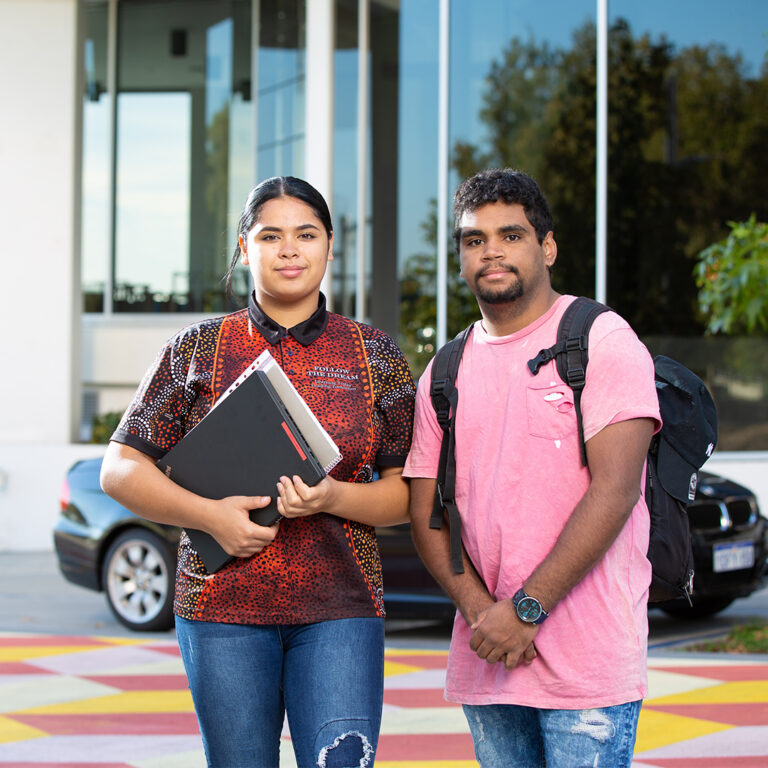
528 608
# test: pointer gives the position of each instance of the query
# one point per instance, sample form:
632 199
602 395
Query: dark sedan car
102 546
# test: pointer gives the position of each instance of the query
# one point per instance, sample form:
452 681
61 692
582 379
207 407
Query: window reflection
281 66
96 193
152 259
417 179
345 192
184 158
688 153
523 95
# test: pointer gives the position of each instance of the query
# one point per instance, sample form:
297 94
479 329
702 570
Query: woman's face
286 252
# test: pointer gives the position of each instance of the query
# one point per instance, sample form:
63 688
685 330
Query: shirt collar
305 332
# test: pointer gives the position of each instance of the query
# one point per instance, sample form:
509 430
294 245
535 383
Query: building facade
133 130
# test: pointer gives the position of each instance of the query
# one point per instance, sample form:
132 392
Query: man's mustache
497 268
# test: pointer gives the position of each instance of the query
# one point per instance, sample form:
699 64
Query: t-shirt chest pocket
551 412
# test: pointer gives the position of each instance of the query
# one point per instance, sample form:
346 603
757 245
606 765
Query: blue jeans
509 736
328 677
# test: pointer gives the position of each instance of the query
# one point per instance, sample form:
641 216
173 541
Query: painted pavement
99 702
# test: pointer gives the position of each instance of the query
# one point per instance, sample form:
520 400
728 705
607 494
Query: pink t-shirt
518 478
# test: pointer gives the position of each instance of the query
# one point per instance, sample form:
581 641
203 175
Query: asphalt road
35 598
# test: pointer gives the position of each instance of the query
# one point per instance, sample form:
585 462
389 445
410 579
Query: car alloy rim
137 581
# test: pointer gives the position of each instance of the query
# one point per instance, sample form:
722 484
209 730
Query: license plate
733 557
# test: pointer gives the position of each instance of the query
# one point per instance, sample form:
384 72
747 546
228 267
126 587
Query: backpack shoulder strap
571 353
445 399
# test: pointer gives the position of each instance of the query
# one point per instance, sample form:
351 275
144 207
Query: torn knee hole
348 750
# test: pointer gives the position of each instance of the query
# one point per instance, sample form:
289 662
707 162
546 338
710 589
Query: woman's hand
234 530
297 499
384 502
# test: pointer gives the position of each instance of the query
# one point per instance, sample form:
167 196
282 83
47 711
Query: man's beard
507 294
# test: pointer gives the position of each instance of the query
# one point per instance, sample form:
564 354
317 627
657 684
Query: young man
548 654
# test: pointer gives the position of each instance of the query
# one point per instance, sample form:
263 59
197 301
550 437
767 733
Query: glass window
281 67
96 192
183 153
384 148
378 231
152 202
523 96
417 132
345 193
688 153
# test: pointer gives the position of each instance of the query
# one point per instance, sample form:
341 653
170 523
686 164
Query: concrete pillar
40 93
39 230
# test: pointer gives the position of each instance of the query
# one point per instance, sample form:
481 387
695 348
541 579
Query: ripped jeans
328 677
510 736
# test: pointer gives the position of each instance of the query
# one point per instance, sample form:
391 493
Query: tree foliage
732 276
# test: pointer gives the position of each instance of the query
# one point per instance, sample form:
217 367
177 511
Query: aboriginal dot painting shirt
357 382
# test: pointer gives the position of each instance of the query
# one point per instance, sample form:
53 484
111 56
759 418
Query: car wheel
138 575
701 608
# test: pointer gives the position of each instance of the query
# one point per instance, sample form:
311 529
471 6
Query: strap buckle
541 359
576 377
441 402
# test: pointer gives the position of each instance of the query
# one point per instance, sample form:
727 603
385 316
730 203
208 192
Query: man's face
501 258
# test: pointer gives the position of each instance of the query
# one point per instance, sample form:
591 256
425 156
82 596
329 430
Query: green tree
732 276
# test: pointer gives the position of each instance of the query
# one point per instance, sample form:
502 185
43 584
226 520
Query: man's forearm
588 535
466 590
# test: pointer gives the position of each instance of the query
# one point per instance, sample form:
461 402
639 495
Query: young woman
294 624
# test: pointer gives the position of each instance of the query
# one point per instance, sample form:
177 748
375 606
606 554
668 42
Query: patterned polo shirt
358 384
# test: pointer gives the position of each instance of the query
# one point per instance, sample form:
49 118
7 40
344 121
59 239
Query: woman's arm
383 502
131 478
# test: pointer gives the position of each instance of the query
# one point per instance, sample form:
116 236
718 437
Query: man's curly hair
508 186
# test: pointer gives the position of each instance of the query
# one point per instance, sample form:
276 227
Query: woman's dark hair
506 185
270 189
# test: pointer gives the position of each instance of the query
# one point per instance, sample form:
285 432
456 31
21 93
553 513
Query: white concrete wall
39 273
749 469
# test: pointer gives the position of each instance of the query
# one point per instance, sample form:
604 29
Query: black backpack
686 440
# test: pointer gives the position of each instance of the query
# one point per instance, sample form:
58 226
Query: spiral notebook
258 430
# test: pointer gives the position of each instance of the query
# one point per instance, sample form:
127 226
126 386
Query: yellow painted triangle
659 729
395 668
426 764
743 692
11 730
23 653
121 640
140 702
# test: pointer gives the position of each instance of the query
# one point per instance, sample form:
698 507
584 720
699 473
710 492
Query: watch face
529 609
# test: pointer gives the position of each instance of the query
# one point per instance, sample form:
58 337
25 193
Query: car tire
138 575
701 608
